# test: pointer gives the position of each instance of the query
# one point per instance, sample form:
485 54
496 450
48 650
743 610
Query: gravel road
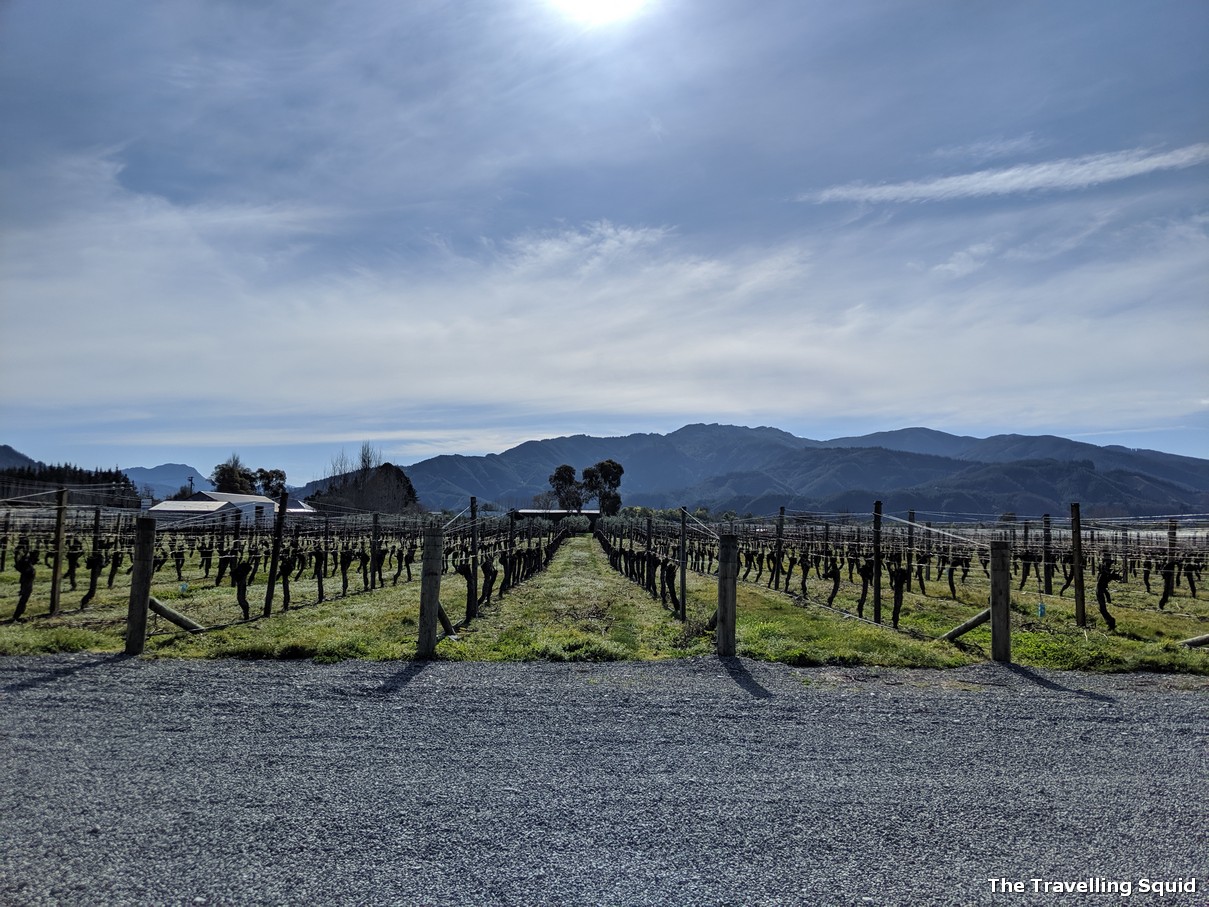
705 781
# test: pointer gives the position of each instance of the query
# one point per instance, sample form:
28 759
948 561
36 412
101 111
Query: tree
232 477
368 461
545 500
601 482
567 489
340 467
270 482
344 470
367 484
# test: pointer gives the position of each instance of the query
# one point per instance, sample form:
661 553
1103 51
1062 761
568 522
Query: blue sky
285 228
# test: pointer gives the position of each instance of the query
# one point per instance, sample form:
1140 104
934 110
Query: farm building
555 514
248 509
194 511
255 509
296 508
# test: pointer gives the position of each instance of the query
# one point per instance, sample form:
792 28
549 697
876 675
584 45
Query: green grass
580 610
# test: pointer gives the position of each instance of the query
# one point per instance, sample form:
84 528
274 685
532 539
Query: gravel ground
703 781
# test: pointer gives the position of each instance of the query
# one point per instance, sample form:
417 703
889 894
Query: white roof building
256 509
193 510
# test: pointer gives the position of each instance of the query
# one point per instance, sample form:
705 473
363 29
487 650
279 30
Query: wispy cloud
989 150
966 261
1061 175
306 224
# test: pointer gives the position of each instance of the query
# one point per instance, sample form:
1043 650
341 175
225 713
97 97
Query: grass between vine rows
581 610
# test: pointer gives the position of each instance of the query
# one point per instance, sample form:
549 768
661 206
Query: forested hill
756 470
14 459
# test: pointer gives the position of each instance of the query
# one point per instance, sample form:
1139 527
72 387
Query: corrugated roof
233 498
192 506
556 511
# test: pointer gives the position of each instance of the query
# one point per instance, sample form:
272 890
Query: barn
555 514
255 509
194 511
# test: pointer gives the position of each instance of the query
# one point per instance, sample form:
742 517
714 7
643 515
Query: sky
284 229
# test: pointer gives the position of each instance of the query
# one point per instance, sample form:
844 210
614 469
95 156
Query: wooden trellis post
1001 599
1076 539
375 550
140 585
472 581
430 594
877 562
728 579
683 560
1047 555
649 561
56 578
774 577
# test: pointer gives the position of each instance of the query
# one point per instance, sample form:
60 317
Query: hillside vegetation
756 470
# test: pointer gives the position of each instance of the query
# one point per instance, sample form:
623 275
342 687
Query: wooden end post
472 581
1047 555
1076 550
1001 599
140 585
430 591
172 616
877 562
683 562
962 629
728 579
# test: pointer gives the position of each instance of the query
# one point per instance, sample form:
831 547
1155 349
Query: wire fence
217 569
76 560
1153 564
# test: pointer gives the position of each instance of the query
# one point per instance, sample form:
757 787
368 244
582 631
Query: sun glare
598 12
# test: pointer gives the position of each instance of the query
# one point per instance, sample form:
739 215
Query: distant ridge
167 479
757 470
14 459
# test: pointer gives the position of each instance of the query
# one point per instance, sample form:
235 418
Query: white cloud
1065 174
605 319
370 219
990 149
966 261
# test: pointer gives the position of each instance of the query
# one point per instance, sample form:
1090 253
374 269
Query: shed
255 509
194 511
555 514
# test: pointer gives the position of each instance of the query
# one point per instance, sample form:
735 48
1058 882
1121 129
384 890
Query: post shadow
740 675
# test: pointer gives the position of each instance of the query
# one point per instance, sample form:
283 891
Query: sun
598 12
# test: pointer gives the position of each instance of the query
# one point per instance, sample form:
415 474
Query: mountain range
167 479
757 470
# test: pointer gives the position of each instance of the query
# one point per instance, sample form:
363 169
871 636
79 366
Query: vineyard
880 588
